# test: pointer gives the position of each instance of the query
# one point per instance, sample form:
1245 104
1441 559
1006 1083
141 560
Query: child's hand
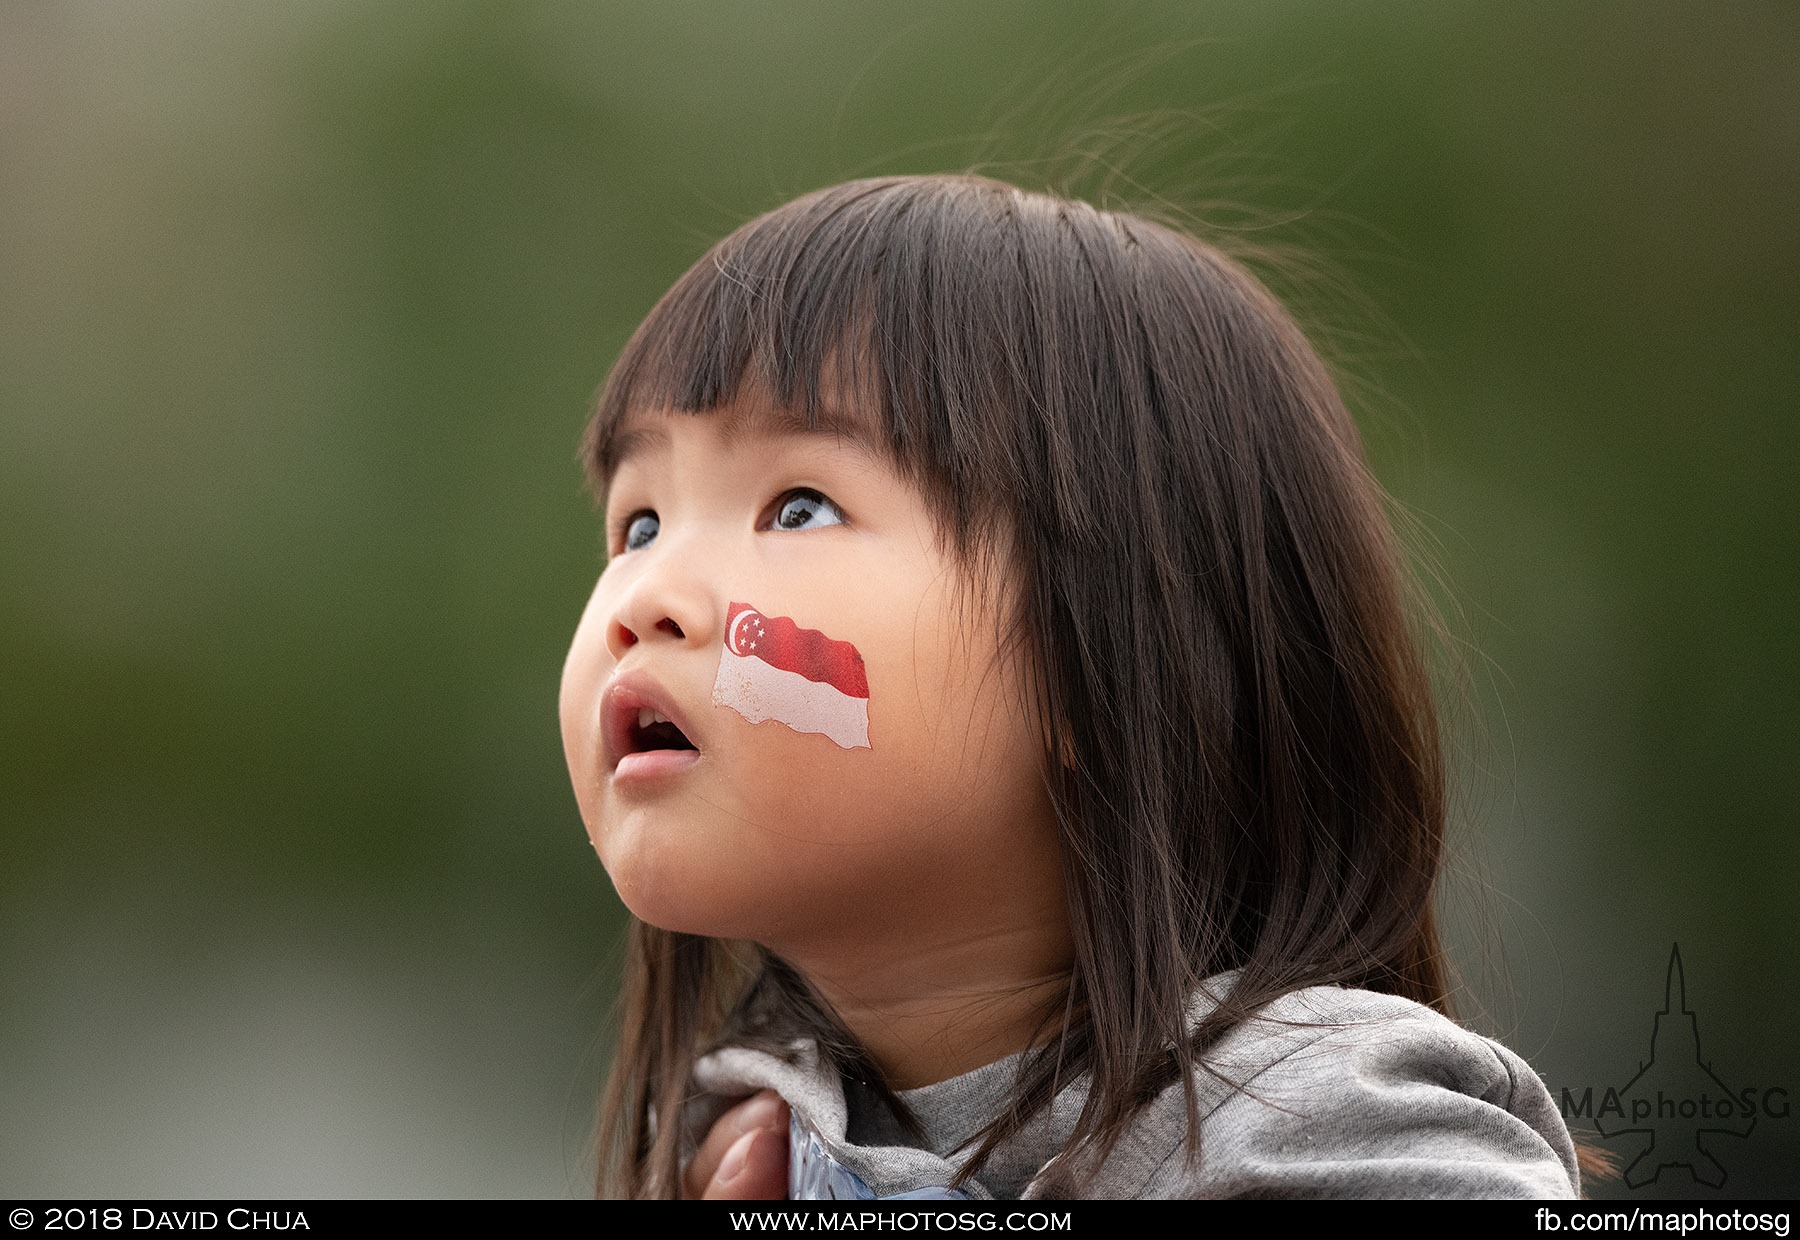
745 1155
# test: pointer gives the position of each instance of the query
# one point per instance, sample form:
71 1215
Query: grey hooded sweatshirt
1328 1092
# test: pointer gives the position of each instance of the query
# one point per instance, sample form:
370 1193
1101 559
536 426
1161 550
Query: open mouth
641 737
652 730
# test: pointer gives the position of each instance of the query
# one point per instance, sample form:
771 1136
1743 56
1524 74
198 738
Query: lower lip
654 764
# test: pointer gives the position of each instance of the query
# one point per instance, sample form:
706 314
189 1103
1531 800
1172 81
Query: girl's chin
715 906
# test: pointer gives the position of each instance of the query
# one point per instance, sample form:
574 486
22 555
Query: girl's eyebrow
628 443
855 433
851 431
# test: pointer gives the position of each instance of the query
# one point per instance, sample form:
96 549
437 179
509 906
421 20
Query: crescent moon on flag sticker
733 637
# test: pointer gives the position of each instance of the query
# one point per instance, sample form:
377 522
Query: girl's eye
641 531
806 510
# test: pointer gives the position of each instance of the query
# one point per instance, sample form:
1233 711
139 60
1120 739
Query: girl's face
941 826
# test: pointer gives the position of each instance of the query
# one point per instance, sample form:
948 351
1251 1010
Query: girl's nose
669 602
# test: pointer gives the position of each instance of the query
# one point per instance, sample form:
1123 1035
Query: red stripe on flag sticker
779 642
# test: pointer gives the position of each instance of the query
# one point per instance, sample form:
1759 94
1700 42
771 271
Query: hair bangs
850 308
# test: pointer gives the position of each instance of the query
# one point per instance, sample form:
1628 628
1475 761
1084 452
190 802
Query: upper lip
626 694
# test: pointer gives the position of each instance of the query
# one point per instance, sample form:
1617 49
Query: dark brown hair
1207 592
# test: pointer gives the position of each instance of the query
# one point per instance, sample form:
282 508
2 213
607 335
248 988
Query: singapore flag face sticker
771 668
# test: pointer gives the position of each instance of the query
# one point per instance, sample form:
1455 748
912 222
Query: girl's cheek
578 706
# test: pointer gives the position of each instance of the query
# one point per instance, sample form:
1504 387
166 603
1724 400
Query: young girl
999 715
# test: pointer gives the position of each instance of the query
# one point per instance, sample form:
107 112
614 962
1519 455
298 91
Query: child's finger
754 1169
744 1155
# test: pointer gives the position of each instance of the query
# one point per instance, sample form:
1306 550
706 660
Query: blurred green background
301 307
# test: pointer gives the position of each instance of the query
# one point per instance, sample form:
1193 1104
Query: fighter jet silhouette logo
1676 1099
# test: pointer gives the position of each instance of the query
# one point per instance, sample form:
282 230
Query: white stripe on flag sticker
771 668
